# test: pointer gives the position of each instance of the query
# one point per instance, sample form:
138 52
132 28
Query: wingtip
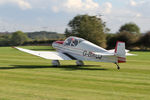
13 47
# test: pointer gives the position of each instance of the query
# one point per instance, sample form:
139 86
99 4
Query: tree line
91 28
32 38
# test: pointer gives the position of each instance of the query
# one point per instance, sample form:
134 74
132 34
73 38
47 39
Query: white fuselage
84 50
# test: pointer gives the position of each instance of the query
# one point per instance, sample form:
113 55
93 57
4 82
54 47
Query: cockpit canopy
73 41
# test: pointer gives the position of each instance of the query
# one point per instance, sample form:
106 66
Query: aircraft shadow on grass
65 67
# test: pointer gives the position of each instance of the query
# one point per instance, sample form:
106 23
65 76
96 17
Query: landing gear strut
56 63
79 63
118 67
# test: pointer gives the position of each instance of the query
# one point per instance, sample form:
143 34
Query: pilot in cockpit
72 41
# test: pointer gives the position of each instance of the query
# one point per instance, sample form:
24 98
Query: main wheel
79 63
55 63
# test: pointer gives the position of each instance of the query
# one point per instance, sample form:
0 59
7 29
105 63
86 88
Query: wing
46 54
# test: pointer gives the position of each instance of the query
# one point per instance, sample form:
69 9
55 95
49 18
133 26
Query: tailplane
120 52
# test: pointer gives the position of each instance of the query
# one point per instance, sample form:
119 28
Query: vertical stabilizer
120 52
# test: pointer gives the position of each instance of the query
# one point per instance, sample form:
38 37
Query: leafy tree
18 38
88 27
111 41
5 39
130 27
144 41
126 37
43 35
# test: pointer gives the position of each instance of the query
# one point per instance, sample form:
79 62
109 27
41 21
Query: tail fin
120 52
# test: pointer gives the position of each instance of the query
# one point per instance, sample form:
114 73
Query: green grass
27 77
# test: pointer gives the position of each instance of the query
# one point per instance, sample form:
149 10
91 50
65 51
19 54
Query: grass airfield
27 77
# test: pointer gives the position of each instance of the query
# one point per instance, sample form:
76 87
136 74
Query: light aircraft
74 48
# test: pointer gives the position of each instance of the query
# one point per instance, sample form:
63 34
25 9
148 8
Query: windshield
73 41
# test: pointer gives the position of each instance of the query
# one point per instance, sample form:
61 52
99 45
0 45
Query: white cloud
21 3
77 6
133 3
140 7
107 7
82 6
73 4
138 3
55 9
138 15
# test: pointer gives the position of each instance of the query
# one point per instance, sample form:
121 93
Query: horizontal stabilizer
127 52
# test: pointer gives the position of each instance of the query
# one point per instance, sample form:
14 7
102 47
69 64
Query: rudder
120 51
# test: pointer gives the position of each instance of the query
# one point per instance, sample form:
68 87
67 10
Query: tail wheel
118 67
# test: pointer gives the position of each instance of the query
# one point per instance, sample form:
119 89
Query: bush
18 38
128 38
144 41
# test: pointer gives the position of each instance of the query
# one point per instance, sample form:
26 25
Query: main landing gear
79 63
118 67
56 63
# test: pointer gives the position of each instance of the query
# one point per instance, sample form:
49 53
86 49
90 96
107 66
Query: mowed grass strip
27 77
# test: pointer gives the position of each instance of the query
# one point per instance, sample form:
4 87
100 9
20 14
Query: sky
54 15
